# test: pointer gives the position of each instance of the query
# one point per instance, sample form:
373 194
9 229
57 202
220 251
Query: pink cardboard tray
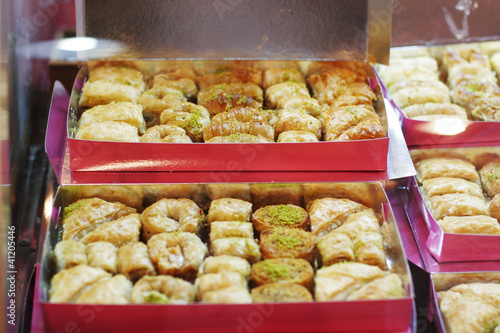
92 156
58 150
359 316
446 247
443 131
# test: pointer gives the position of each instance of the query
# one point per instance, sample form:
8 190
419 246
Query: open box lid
239 29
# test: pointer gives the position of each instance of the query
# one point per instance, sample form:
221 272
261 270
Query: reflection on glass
448 126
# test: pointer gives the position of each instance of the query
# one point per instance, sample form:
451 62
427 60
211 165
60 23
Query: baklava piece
114 290
224 229
103 255
165 134
134 261
69 253
162 290
168 215
179 254
490 177
85 215
445 167
470 225
109 131
297 136
291 270
297 120
225 263
351 123
329 85
274 76
224 97
286 216
155 100
245 248
287 243
119 232
436 110
228 128
237 75
281 293
327 214
115 111
190 117
229 209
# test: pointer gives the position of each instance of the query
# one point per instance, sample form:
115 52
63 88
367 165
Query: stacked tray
374 312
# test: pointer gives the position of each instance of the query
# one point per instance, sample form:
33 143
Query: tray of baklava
467 302
225 257
224 116
458 196
446 94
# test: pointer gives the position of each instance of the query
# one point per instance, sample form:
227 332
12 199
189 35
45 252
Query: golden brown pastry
129 195
66 284
447 185
229 295
335 247
134 262
166 134
237 75
229 209
470 225
245 248
287 243
369 249
215 281
393 74
168 215
240 138
191 117
465 310
274 76
244 114
457 204
162 290
361 221
85 215
490 177
119 74
179 254
280 93
297 120
366 129
115 290
470 72
339 120
155 100
308 104
495 207
364 193
419 60
469 93
327 214
118 232
297 136
387 287
177 73
445 167
115 111
434 109
69 253
224 97
108 131
185 85
228 128
287 216
225 263
329 85
281 292
488 109
338 281
358 93
291 270
224 229
419 95
102 92
102 255
437 85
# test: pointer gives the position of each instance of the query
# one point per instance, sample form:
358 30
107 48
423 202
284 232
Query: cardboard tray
360 316
100 156
448 247
444 281
443 132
